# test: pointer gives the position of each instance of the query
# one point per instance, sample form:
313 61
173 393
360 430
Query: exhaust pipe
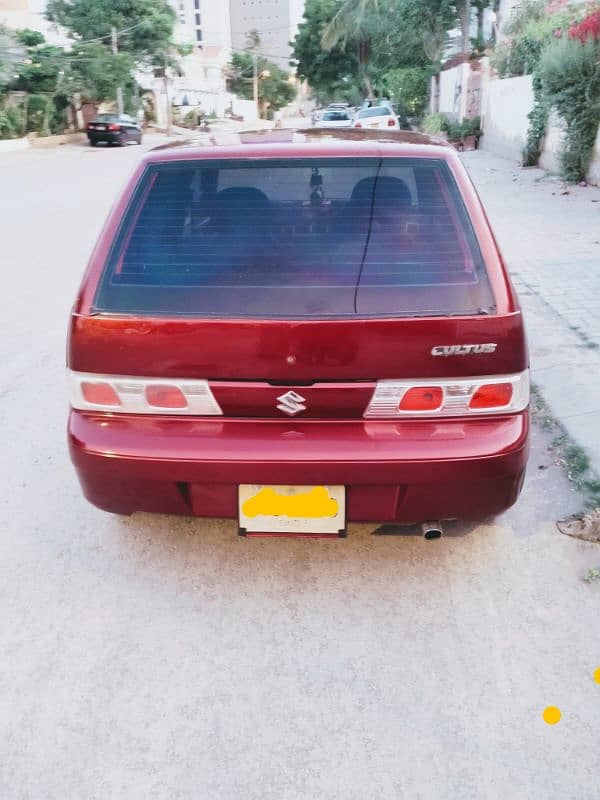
432 529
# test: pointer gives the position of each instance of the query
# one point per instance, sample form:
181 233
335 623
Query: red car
300 330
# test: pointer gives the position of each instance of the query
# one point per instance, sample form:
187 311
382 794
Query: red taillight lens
99 394
165 397
114 127
391 123
492 395
358 124
422 398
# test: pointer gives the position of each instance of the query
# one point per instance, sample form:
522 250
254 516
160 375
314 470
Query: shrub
409 87
435 124
538 121
570 73
11 123
39 110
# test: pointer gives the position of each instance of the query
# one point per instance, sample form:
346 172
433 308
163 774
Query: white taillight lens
450 398
90 392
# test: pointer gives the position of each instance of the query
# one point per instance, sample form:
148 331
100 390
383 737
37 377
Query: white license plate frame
256 523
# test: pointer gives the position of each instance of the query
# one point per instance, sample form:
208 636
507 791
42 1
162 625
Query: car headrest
386 188
244 201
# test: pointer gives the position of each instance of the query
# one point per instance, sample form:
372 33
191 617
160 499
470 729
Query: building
275 21
204 24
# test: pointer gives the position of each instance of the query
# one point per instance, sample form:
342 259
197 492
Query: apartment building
275 21
206 25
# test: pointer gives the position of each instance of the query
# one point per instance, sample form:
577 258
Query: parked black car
114 129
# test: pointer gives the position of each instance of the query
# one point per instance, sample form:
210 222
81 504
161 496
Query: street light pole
115 49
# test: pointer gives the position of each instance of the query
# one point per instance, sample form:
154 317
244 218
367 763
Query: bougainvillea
588 29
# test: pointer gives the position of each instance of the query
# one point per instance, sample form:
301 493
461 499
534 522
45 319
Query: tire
139 141
93 143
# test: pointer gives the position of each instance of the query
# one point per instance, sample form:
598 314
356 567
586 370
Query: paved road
166 658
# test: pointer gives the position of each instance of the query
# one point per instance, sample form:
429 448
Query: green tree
274 88
391 34
408 87
357 23
330 74
146 26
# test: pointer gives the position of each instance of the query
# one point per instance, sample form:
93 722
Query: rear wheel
93 143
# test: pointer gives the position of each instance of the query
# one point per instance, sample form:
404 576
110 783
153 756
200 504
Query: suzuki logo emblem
291 403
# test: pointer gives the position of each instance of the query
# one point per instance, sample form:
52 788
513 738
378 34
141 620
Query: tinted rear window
330 116
303 238
106 118
376 111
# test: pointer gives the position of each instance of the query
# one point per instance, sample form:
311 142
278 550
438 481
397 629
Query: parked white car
335 118
381 117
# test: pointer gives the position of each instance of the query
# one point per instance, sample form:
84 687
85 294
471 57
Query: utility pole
255 82
115 49
167 99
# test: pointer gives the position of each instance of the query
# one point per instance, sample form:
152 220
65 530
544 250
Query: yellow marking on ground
552 715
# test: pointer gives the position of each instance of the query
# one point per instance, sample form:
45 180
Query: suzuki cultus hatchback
297 331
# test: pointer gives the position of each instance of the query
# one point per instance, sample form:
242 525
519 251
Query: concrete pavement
550 236
157 657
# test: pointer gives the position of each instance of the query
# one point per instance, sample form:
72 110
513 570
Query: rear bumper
404 471
104 136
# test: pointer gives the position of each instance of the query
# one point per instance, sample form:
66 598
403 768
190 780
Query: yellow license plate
292 509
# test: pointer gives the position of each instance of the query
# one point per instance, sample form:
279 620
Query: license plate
317 510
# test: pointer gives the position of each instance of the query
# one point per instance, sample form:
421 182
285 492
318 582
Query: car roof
292 143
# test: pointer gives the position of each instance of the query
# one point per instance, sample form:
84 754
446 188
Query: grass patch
567 453
592 575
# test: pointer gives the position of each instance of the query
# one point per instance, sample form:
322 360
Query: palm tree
355 21
463 9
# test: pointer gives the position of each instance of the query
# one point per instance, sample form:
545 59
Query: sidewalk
549 234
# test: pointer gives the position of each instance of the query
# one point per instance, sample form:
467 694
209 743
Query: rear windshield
106 118
376 111
330 116
300 238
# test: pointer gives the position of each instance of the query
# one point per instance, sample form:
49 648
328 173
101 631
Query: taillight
358 124
492 395
98 393
114 127
165 396
91 392
422 398
450 397
391 123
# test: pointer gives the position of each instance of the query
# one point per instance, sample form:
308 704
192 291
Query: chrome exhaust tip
432 529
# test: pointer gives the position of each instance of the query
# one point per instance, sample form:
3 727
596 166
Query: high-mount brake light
451 397
133 395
